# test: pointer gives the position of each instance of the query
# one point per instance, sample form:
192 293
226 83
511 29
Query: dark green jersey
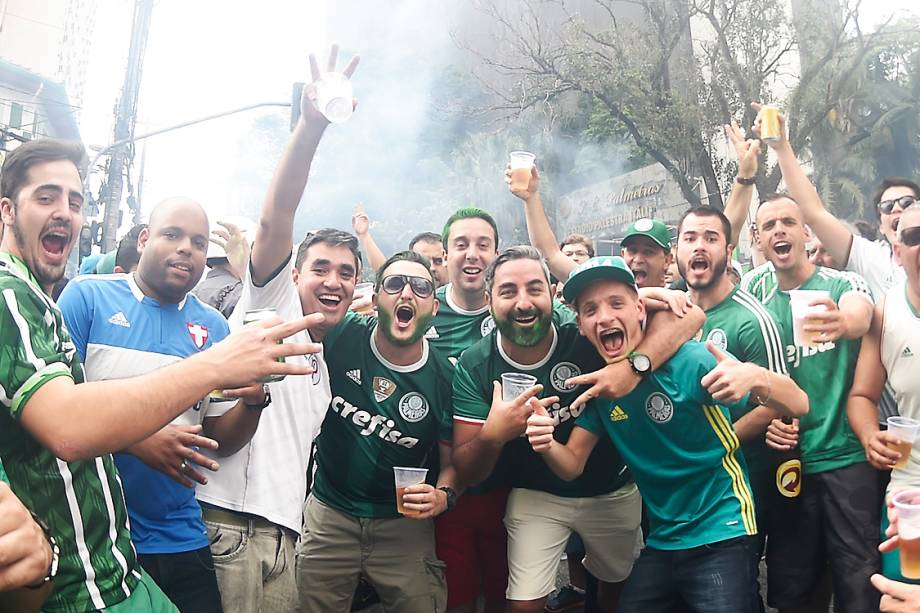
82 501
825 373
570 356
454 328
681 447
742 326
382 415
760 282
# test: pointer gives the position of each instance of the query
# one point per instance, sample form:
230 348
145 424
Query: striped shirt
81 501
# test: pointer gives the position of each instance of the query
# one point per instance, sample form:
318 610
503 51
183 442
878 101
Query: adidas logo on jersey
618 414
119 319
354 375
907 353
432 333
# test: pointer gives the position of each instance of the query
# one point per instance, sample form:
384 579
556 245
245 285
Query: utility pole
124 122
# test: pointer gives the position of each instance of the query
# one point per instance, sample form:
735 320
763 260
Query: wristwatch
451 496
267 401
55 554
641 364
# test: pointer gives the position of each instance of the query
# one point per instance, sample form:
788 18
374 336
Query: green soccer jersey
3 476
760 282
742 326
569 356
81 501
381 415
681 447
454 328
825 373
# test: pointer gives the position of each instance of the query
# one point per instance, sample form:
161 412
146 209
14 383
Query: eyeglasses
910 237
886 206
421 287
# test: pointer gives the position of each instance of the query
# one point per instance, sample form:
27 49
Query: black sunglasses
421 287
886 206
910 237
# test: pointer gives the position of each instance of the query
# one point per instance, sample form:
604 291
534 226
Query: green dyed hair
468 213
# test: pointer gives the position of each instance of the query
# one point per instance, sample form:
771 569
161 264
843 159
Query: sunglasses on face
886 206
910 237
394 284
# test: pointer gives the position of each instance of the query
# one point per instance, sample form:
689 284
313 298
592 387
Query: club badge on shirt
198 333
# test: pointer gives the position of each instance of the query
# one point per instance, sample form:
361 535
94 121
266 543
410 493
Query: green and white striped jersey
81 501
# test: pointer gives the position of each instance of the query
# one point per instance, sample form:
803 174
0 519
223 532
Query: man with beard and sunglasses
391 398
537 337
736 322
66 475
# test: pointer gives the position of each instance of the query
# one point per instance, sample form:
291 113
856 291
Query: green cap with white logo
655 230
603 267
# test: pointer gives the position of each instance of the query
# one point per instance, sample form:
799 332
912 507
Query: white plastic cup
516 383
907 503
405 477
906 429
800 300
334 97
362 299
521 163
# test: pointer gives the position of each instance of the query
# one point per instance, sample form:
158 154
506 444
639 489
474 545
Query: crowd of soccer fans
670 427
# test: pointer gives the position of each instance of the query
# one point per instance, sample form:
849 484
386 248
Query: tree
647 80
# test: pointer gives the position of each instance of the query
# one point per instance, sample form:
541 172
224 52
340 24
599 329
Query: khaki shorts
396 555
539 525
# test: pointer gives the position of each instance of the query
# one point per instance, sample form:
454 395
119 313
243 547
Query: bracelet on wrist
55 554
746 180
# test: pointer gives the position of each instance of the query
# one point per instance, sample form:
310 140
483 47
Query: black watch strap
451 496
265 403
746 180
55 554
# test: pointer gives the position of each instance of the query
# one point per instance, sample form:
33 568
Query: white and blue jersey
120 332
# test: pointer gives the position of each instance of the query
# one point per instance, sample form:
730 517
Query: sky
208 56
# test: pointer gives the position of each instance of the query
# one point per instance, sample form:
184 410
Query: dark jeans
714 578
187 578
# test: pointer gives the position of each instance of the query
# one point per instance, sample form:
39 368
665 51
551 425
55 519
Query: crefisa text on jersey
369 423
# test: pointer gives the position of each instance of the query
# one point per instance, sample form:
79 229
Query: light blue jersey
120 332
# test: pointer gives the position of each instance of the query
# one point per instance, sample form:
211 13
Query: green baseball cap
602 267
653 229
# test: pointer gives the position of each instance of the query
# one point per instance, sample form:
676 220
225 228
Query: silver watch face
640 362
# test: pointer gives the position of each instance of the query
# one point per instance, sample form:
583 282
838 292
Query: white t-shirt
900 354
268 477
874 261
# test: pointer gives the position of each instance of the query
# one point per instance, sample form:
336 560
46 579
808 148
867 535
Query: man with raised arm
673 429
67 475
253 507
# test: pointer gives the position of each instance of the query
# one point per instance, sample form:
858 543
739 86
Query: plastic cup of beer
907 503
800 302
521 164
362 300
404 478
770 130
334 96
514 384
906 430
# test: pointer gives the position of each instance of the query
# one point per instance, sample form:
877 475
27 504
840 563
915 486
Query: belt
235 518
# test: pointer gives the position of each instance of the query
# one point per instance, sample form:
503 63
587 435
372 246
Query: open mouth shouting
612 341
640 275
699 264
405 315
782 248
54 243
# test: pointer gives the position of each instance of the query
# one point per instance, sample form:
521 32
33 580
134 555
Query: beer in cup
515 383
800 301
404 478
907 502
334 96
362 300
770 130
521 165
906 430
